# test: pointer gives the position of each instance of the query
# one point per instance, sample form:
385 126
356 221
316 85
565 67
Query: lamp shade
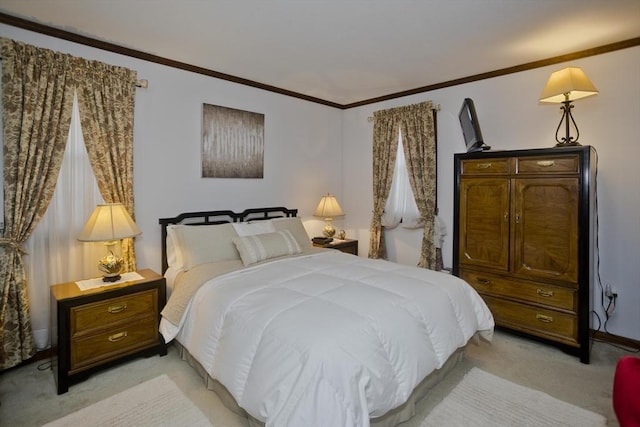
568 84
109 222
328 207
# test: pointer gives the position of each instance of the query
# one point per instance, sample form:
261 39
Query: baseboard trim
615 339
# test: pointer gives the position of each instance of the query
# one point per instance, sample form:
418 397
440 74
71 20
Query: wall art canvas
232 143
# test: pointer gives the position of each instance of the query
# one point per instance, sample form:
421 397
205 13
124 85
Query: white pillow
295 226
259 247
251 228
174 255
200 244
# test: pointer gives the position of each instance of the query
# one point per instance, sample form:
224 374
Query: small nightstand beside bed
291 335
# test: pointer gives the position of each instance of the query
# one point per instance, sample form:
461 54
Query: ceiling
344 51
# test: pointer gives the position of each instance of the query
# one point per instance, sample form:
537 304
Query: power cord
45 366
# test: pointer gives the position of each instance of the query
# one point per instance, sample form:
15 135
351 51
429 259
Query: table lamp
565 86
109 223
328 208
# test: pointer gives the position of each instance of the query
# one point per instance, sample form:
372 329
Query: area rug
157 402
482 399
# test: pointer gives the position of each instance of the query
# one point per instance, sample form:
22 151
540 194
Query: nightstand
101 326
349 246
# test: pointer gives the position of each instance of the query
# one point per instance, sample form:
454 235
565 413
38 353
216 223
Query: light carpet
482 399
157 402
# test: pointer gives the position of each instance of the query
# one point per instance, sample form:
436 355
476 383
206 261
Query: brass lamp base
111 265
328 230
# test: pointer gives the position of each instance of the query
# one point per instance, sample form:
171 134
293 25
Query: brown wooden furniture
99 327
349 246
524 239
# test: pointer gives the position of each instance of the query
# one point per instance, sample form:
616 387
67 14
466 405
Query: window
54 253
401 206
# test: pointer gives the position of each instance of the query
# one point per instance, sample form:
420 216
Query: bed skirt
392 418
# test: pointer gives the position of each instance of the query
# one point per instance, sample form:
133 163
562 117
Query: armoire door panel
545 226
484 219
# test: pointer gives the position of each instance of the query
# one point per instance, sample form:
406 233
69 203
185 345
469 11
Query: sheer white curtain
401 208
401 205
54 253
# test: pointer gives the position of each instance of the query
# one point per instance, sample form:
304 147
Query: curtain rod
143 83
436 108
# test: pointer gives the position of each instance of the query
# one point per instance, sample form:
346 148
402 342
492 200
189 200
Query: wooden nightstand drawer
103 314
116 342
539 293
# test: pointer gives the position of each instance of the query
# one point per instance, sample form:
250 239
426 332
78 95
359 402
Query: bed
292 335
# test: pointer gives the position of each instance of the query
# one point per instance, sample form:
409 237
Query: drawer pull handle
543 318
545 163
483 165
483 281
117 337
117 308
544 293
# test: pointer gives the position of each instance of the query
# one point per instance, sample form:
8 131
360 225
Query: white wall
512 118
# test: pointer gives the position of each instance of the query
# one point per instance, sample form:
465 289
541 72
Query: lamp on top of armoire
328 208
565 86
109 223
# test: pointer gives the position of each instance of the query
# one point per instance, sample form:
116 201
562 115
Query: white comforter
328 339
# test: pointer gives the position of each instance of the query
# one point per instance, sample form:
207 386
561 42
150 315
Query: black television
471 127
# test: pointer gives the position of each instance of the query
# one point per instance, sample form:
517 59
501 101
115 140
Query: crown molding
111 47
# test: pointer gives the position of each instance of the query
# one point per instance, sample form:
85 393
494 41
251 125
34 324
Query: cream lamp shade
565 86
109 223
328 208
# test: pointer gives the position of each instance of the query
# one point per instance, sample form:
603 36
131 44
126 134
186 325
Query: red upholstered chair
626 391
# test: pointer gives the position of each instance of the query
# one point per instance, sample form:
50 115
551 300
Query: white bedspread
328 339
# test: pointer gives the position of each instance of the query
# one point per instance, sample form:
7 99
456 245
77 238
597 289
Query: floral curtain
419 133
37 96
417 124
38 86
385 146
106 96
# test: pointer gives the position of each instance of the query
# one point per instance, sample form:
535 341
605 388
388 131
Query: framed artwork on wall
232 143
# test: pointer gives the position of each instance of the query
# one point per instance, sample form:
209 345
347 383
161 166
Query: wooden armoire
524 235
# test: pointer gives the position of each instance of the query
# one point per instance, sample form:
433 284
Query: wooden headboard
219 217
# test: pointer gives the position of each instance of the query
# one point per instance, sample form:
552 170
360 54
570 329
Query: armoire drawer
485 166
548 165
540 293
534 320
